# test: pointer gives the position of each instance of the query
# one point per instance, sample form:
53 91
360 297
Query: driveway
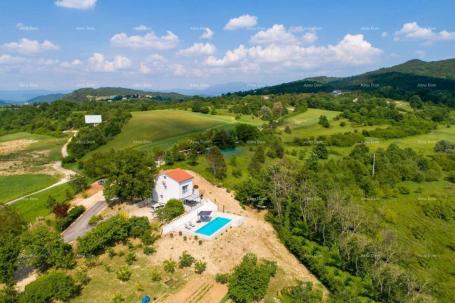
80 227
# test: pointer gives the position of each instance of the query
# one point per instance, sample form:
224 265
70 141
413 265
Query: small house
173 184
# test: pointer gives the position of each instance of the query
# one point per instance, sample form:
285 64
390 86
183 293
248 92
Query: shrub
50 287
222 278
123 274
200 267
169 266
72 215
171 210
186 260
130 258
118 299
403 190
60 210
111 252
149 250
95 219
156 276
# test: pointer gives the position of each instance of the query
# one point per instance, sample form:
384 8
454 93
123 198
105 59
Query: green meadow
162 128
12 187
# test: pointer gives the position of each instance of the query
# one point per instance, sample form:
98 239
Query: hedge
72 215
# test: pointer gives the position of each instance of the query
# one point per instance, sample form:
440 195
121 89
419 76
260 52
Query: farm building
174 184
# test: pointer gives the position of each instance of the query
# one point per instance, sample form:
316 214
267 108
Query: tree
49 288
257 160
79 184
320 150
131 177
11 227
216 163
324 121
51 202
249 280
172 209
246 132
444 146
45 248
416 102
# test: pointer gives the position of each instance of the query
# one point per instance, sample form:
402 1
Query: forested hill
437 69
432 81
82 94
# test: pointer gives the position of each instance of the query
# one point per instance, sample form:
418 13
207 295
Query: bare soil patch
15 145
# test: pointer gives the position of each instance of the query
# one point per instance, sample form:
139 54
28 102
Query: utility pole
374 162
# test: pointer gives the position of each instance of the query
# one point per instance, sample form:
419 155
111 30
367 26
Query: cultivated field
26 163
162 128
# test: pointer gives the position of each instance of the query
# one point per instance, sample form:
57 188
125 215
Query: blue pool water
213 226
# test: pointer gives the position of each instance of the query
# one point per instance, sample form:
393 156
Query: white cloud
76 4
413 31
384 34
244 21
98 62
149 40
26 46
153 64
351 50
8 60
198 49
27 28
276 34
142 28
207 34
310 37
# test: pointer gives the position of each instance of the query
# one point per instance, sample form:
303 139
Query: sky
189 44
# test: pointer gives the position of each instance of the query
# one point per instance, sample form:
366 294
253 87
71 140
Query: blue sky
66 44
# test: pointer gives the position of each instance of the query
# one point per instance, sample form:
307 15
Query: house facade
172 184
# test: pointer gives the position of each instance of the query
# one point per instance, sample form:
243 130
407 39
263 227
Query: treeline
316 210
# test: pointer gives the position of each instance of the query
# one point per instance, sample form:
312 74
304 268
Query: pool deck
188 223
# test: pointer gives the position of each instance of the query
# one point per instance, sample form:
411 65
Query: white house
173 184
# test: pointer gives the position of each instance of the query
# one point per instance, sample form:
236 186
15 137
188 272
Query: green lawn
163 128
36 205
12 187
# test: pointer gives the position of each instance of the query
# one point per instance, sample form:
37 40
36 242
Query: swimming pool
213 226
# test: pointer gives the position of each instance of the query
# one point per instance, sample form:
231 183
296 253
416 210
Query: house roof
178 174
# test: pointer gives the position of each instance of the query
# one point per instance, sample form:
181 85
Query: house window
184 189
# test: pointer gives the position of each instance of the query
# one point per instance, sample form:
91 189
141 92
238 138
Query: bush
149 250
130 258
200 267
118 299
403 190
60 210
186 260
171 210
72 215
156 276
169 266
123 274
95 219
222 278
50 287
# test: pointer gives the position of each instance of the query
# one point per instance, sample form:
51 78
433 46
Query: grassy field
44 143
104 285
12 187
36 205
162 128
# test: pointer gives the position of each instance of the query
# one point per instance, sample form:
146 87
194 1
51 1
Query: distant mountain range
218 89
432 81
22 96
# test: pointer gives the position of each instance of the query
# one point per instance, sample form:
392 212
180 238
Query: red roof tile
178 174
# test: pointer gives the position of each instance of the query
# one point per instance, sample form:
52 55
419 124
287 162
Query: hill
437 69
432 81
46 98
83 94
